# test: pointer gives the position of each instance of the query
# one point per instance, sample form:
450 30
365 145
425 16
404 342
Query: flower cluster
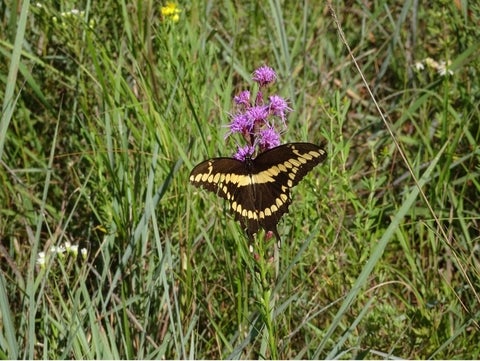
70 18
254 117
442 67
59 251
171 11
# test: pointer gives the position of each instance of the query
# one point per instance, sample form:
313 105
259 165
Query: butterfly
258 189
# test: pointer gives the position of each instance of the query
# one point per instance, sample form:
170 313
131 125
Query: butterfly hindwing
258 190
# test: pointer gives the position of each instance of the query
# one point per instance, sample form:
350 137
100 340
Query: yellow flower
171 10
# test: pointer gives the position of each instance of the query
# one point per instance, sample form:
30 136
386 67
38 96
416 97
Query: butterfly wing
218 175
288 163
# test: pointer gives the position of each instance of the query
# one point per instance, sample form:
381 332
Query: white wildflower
419 66
57 249
41 260
444 68
74 250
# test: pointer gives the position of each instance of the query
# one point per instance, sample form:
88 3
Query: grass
106 111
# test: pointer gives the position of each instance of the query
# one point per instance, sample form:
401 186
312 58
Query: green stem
267 302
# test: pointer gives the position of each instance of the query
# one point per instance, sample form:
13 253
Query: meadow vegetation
107 250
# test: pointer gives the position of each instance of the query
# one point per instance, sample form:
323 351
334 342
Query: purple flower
264 75
257 114
244 152
241 123
278 106
269 138
243 98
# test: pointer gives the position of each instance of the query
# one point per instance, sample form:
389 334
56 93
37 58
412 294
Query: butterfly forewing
292 162
258 190
218 175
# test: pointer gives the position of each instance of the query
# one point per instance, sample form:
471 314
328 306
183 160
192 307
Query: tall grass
106 110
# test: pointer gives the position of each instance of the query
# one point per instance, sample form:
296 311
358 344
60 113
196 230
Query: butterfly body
258 189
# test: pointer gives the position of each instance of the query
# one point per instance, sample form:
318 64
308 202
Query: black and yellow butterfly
258 189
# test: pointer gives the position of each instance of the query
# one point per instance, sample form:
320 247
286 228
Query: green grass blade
9 101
